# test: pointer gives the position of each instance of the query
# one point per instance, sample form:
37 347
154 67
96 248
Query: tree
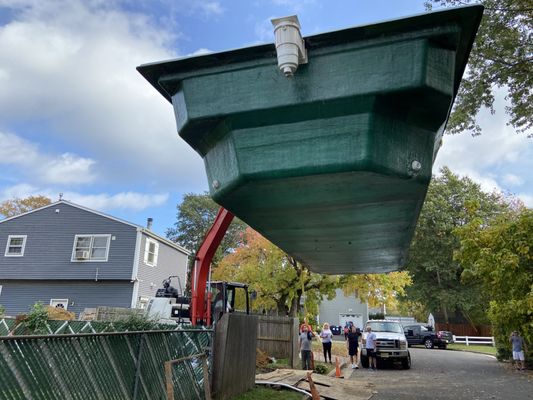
377 289
502 57
196 214
451 202
499 255
10 208
278 279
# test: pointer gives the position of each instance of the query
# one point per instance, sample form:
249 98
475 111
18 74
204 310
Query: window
91 248
15 246
151 250
142 302
59 303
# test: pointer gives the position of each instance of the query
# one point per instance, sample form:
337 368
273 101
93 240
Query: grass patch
337 349
264 393
476 348
281 363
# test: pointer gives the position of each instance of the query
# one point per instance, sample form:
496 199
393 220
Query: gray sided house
343 309
69 256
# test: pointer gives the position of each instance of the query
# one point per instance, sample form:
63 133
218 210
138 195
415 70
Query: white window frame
142 302
92 236
64 301
8 245
147 252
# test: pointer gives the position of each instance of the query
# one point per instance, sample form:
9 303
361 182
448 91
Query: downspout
135 269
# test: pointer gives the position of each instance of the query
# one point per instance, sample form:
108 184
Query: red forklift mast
201 309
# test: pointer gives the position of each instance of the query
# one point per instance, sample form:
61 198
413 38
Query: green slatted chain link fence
151 365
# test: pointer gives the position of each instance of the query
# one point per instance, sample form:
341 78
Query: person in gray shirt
305 347
518 350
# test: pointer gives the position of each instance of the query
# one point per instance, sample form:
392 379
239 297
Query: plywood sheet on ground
288 376
328 387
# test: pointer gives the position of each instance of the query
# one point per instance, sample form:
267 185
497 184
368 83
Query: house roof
138 227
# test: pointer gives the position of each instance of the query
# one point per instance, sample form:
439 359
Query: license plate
384 355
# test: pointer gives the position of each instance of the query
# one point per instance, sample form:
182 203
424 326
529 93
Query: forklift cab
228 297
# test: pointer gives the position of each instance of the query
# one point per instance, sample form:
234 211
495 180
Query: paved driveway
448 375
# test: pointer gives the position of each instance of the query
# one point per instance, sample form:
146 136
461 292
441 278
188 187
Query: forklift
209 300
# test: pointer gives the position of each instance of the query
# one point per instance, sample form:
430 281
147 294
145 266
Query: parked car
446 336
391 344
419 334
336 330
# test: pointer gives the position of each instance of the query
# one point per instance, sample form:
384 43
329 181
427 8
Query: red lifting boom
200 308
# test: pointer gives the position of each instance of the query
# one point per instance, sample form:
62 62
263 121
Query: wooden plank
340 389
328 387
288 376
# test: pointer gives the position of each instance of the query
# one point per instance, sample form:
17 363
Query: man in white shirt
371 348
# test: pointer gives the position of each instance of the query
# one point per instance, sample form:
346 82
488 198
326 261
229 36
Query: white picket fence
469 340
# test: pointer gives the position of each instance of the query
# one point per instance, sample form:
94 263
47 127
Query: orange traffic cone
337 368
314 392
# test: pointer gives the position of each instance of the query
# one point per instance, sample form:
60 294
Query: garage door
357 319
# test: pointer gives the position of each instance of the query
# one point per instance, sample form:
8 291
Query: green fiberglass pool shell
332 165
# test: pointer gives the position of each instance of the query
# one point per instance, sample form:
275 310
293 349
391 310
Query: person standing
370 346
519 346
306 336
326 337
352 342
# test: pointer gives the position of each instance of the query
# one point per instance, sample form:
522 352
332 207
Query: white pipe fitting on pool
290 46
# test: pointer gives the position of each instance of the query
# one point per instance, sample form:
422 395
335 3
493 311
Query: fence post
466 340
138 366
168 379
493 342
295 351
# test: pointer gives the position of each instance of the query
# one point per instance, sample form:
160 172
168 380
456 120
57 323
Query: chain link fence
117 365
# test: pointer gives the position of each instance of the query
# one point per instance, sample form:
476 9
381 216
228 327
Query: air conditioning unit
82 255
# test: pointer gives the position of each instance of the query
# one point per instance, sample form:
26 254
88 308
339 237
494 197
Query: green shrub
36 320
320 369
137 322
2 310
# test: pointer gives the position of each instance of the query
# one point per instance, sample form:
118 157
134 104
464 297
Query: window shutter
146 251
156 252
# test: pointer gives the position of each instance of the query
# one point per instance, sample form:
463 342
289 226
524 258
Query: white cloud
497 159
70 68
200 52
128 200
211 7
512 180
63 169
527 199
68 169
294 6
15 150
19 191
132 201
264 31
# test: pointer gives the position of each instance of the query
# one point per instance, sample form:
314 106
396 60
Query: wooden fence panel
278 337
234 355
